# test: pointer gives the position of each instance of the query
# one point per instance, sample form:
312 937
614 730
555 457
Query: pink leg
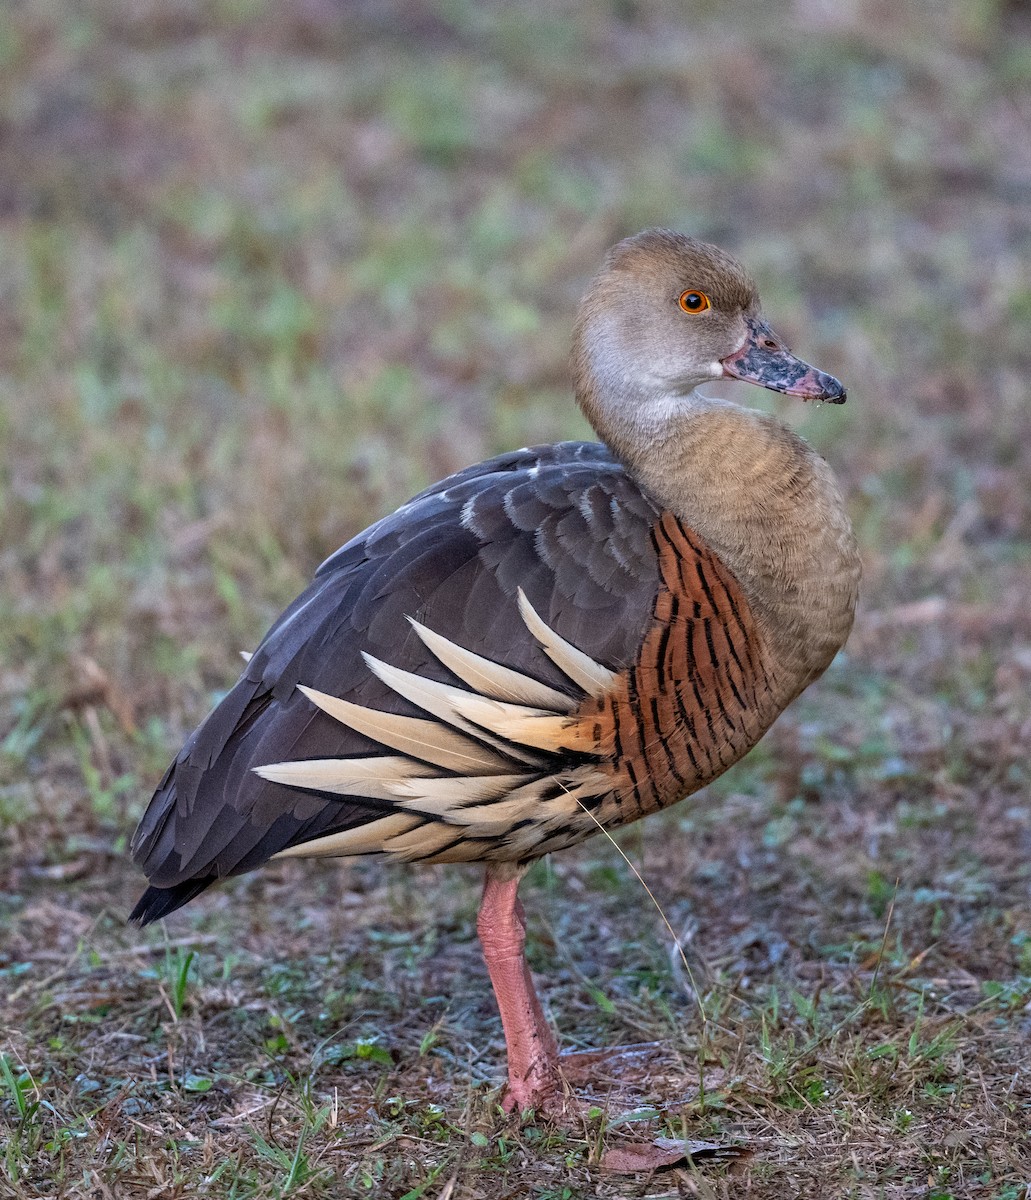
533 1078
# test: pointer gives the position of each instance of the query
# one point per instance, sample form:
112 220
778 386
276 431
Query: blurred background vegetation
267 268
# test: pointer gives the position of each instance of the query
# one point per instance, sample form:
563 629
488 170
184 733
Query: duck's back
564 523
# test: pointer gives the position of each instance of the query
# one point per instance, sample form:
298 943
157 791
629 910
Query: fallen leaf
633 1157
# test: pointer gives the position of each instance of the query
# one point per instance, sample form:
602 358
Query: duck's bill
765 360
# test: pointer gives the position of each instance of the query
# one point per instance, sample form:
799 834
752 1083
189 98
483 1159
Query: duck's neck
762 499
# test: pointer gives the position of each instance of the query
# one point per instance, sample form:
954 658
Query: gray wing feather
564 523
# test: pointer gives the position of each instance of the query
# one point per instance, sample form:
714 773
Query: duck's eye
694 302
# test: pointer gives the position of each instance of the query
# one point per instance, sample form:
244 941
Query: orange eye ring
694 302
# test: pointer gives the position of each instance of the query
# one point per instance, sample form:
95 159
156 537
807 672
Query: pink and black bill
765 360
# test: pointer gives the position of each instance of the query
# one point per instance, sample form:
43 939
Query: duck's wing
516 582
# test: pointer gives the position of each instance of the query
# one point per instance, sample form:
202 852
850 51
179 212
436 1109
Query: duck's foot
533 1077
600 1064
624 1078
540 1078
612 1075
542 1091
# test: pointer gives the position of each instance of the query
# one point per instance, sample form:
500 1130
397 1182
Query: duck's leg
533 1075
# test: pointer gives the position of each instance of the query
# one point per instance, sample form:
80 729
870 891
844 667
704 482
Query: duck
557 641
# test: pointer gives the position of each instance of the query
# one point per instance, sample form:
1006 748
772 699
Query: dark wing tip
156 903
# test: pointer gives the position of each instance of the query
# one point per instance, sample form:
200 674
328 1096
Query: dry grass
267 268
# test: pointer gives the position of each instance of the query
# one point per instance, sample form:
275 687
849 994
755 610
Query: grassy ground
265 269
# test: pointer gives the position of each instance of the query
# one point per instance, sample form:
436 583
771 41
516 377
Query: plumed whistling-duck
557 639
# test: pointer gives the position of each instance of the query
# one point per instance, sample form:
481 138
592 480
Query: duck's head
667 313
